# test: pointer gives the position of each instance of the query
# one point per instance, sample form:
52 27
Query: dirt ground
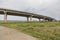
12 34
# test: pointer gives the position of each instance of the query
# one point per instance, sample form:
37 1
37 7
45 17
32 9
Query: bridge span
25 14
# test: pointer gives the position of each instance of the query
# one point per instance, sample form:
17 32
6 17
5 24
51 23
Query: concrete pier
5 16
30 18
27 19
39 19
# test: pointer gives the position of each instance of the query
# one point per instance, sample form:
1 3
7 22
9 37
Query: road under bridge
25 14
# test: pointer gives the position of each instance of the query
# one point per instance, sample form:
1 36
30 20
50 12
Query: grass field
40 30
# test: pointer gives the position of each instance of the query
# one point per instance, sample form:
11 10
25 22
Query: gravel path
12 34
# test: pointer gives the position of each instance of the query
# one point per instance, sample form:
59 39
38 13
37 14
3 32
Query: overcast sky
44 7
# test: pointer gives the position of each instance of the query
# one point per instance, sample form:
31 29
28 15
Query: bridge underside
25 14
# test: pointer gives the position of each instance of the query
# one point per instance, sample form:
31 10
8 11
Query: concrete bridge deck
25 14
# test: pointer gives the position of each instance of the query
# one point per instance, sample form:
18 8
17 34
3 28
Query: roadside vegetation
40 30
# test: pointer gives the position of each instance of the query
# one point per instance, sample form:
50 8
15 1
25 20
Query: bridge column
49 20
5 16
44 19
39 19
27 18
31 17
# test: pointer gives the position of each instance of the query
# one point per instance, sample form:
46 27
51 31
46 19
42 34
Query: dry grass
40 30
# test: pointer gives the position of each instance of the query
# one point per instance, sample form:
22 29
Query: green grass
40 30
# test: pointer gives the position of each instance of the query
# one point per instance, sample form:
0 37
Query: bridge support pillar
39 19
30 18
5 16
44 19
27 18
49 20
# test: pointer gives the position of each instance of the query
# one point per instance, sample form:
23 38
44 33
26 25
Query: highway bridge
25 14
